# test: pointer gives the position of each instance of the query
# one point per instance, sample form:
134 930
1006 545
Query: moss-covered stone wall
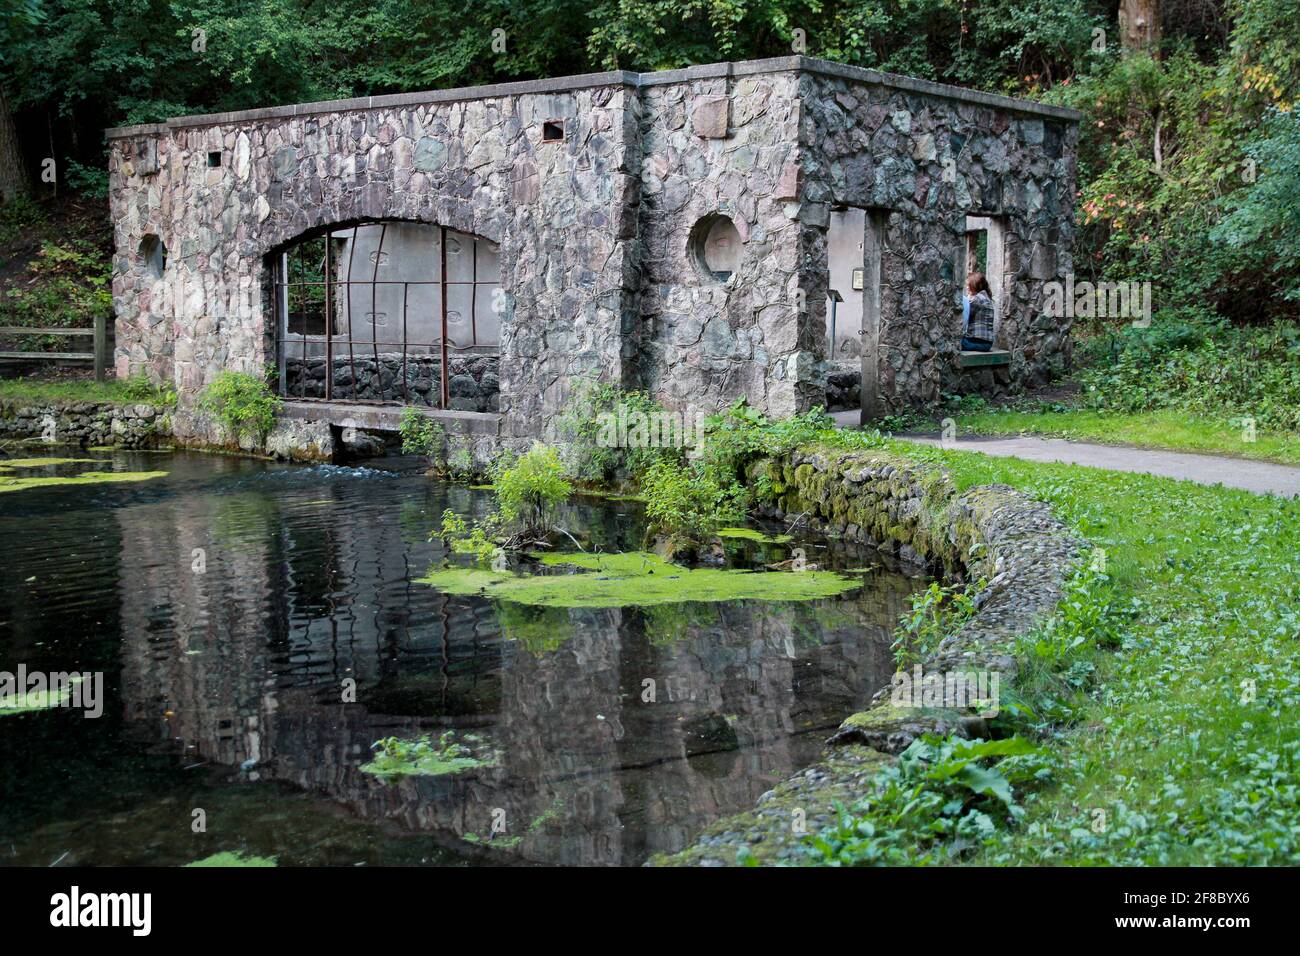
1020 551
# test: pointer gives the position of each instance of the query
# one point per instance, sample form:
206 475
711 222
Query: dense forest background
1190 152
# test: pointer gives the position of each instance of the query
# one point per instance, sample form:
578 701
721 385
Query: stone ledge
389 417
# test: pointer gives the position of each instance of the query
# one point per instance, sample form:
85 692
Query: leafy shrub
589 459
138 388
943 798
937 612
530 490
67 285
421 435
1211 369
476 540
243 403
684 502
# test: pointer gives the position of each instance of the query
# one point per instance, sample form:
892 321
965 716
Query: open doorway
985 253
854 244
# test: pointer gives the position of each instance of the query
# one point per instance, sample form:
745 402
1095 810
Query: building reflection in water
245 664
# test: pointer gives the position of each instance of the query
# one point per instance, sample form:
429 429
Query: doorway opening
855 238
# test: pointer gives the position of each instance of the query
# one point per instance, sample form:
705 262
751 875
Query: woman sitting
977 315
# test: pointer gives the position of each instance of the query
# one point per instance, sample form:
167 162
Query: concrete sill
386 417
981 359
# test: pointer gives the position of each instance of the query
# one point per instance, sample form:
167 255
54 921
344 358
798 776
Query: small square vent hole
553 131
214 159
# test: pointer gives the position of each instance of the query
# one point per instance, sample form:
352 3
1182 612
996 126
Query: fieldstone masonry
600 267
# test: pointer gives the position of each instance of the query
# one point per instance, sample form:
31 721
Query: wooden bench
983 359
99 334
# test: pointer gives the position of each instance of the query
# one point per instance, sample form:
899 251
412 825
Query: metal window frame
284 287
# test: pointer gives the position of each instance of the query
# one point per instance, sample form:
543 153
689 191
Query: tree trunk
14 183
1139 25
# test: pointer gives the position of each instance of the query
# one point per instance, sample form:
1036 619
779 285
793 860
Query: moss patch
422 757
637 579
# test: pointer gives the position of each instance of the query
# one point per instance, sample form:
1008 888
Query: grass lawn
1181 745
117 391
1169 429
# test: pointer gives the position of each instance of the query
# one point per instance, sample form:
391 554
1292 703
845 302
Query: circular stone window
154 254
715 246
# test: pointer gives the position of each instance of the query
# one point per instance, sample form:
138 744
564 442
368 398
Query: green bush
944 798
686 503
67 285
1210 369
421 435
138 388
243 403
588 455
530 490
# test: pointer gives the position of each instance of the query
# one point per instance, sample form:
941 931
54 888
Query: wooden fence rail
99 335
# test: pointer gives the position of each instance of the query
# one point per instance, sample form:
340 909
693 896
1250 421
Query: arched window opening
390 312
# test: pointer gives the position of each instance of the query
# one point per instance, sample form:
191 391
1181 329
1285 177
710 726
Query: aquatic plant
685 505
751 534
29 701
530 489
243 403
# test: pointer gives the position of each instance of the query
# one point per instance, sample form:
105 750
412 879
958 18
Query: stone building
754 230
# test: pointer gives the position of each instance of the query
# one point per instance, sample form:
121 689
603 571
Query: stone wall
722 146
90 424
600 273
84 423
995 534
925 163
474 385
476 164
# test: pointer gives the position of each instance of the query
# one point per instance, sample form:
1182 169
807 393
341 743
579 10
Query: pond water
230 604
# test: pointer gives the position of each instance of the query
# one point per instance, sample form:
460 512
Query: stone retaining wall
474 385
991 533
143 425
85 423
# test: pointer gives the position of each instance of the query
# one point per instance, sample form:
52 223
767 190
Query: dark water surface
224 688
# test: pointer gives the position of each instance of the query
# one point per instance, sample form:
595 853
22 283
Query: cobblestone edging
994 533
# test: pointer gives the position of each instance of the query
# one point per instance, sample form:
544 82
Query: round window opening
715 245
154 254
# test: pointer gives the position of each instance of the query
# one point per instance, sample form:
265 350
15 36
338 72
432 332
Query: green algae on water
85 478
227 858
751 534
636 579
27 702
9 464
